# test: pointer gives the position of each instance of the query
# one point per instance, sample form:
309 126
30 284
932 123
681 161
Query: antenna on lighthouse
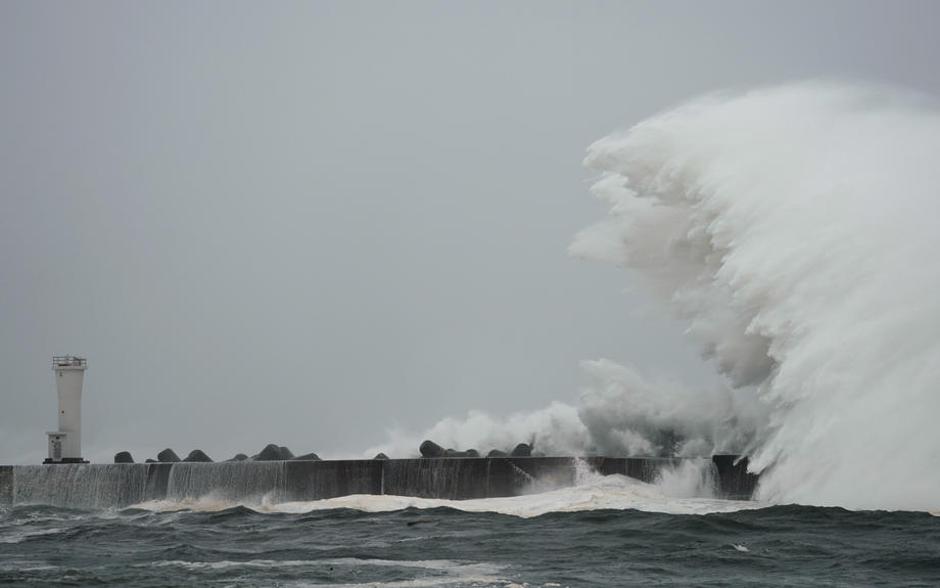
65 445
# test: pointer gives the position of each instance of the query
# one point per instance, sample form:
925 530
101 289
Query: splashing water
794 229
244 481
592 492
688 479
622 413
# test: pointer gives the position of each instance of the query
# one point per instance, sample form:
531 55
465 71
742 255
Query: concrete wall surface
117 485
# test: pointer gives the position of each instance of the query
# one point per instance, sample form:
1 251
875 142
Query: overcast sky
309 222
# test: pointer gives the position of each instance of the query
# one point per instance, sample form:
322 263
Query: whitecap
613 492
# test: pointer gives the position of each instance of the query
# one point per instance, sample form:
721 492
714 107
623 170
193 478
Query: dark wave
784 545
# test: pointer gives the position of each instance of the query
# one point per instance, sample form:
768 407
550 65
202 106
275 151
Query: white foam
420 583
795 229
598 492
444 572
22 535
443 565
25 565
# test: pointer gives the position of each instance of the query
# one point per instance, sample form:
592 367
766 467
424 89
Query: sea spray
692 478
622 412
626 412
794 229
584 472
554 430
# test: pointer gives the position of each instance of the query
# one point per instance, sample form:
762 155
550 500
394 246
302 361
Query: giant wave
794 229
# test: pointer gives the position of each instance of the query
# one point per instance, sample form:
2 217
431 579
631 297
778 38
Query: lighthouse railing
68 361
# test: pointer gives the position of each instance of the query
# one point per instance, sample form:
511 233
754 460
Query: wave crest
794 229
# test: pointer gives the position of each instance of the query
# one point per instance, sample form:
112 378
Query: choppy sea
603 535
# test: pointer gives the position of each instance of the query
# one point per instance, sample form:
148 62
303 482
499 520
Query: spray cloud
795 230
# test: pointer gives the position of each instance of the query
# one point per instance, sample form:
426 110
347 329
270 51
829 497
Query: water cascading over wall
85 485
231 481
121 485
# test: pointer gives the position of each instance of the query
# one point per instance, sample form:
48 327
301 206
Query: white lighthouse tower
65 445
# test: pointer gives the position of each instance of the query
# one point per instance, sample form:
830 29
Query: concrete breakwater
119 485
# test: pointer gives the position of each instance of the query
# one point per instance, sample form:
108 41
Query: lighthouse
65 444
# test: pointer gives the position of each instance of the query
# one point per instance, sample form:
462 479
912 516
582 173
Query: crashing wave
793 229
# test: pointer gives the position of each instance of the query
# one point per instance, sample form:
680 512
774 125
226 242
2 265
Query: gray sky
309 222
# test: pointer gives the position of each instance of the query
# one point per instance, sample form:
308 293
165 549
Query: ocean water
238 546
610 531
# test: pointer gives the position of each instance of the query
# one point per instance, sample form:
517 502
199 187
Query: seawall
118 485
